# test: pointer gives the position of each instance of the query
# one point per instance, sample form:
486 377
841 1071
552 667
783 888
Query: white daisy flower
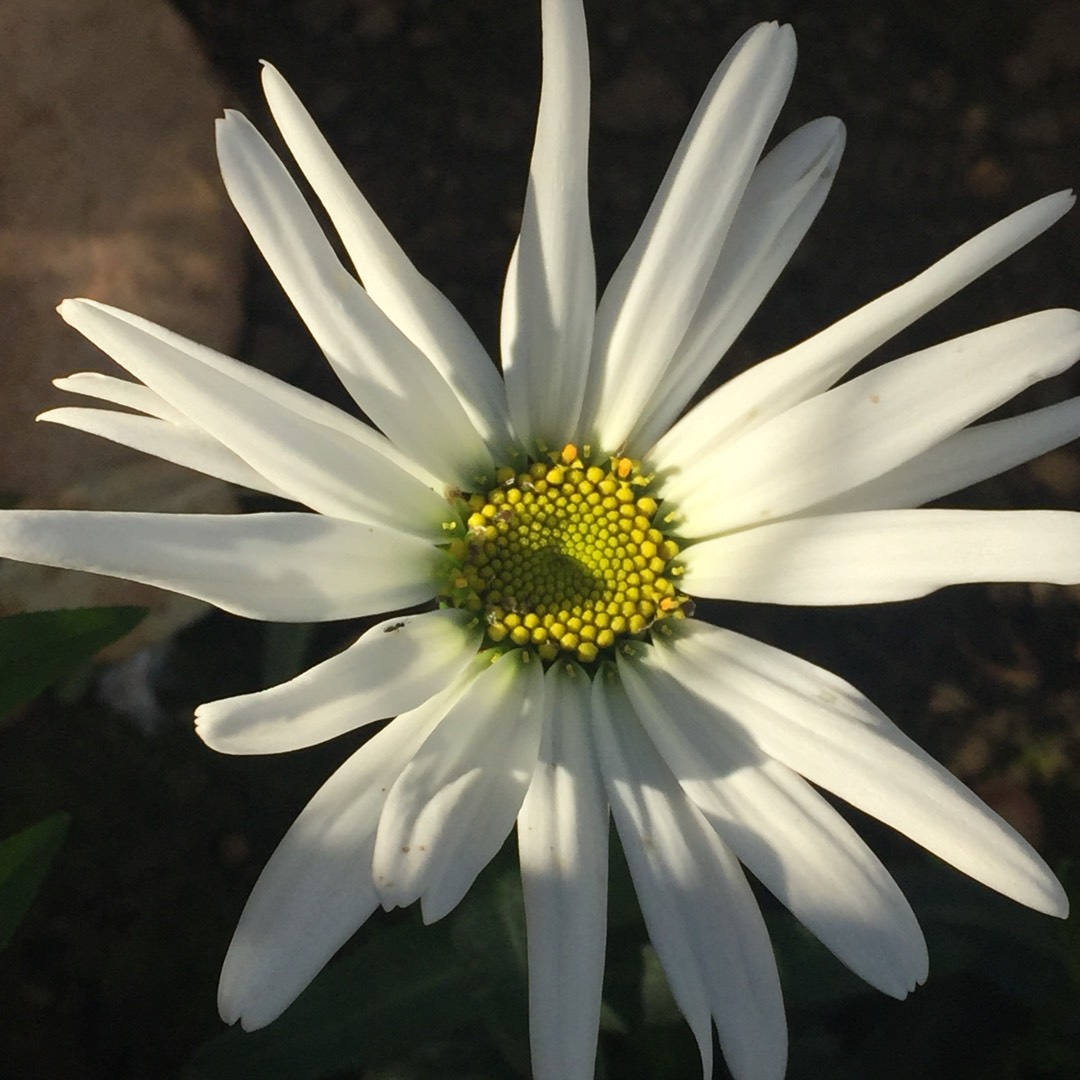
557 520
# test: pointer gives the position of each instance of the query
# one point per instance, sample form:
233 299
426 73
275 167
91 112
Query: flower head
559 519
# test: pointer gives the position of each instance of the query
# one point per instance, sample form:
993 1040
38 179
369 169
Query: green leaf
24 860
657 1001
39 648
973 930
403 988
970 930
488 931
810 974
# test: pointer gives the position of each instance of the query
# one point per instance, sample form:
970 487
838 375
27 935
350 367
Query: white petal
812 366
392 668
550 294
700 913
963 459
786 834
658 286
869 425
455 803
781 201
281 567
563 845
880 555
331 470
121 392
317 889
407 298
281 393
823 728
181 444
390 378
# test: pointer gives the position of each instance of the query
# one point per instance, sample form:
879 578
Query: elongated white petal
281 567
658 286
395 666
455 803
563 845
814 365
409 300
281 393
550 294
181 444
321 466
121 392
701 915
867 426
963 459
788 836
823 728
390 378
317 889
781 201
880 555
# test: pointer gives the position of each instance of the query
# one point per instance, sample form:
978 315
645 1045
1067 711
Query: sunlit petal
813 365
550 294
455 802
880 555
317 889
129 353
413 304
823 728
314 461
563 847
784 195
182 444
965 458
867 426
390 378
701 915
121 392
674 253
783 831
392 668
284 567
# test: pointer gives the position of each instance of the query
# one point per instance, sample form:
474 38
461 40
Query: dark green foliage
39 648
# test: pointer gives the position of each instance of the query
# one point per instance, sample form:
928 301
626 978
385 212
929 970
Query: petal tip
68 307
228 1015
786 39
230 120
1057 901
272 79
228 1005
835 126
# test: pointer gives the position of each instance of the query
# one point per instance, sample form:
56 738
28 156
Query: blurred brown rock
108 189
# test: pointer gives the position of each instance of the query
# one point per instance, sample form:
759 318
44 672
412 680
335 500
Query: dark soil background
958 112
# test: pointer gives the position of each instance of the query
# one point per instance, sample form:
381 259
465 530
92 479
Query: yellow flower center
565 557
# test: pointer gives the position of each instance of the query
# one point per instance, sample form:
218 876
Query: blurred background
957 114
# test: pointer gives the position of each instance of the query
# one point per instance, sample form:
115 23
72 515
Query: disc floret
565 556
